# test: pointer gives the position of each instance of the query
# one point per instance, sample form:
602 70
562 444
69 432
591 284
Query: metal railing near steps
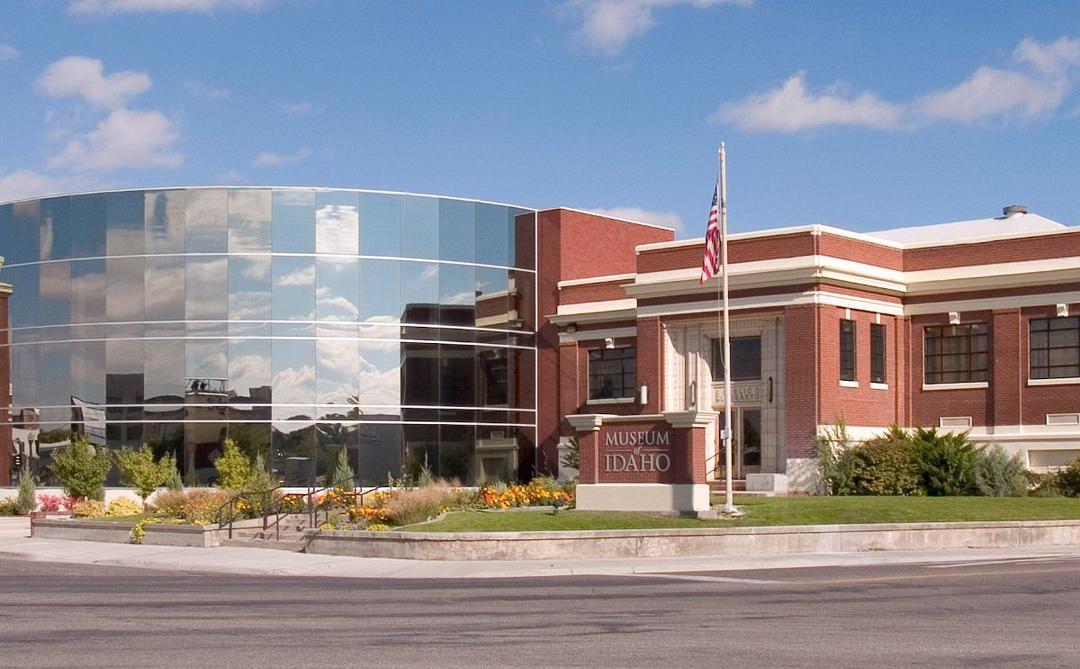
272 502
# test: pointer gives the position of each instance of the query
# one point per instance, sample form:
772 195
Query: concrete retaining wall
742 541
109 531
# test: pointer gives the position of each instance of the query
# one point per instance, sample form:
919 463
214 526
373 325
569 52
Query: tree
26 500
82 468
139 470
234 468
343 477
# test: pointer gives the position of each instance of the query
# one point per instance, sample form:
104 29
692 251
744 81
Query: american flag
711 265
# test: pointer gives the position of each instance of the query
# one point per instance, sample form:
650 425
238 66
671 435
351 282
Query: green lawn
777 511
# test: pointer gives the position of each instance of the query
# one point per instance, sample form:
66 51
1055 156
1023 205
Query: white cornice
607 278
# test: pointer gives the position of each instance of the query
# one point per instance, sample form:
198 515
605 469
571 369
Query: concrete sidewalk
15 542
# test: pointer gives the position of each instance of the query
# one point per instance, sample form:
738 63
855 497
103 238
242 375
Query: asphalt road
1011 613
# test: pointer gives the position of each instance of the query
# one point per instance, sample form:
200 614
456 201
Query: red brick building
962 326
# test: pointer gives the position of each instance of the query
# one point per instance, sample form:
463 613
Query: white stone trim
1064 381
596 307
587 281
613 400
848 384
1057 419
588 335
954 422
879 386
776 301
970 385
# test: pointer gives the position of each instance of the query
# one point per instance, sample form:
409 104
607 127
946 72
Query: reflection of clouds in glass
249 220
338 367
301 276
249 371
164 287
459 298
337 229
88 296
294 385
379 386
249 305
257 268
206 361
429 272
206 295
293 197
331 303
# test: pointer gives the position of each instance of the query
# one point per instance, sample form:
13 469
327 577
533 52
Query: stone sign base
655 497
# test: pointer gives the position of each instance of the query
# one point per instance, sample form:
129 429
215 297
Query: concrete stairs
288 536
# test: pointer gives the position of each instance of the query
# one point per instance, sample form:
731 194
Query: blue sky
866 115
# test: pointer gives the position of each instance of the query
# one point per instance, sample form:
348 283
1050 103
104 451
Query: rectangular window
956 353
612 373
1054 347
847 350
745 356
877 353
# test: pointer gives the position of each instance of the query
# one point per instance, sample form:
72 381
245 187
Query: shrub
26 500
883 466
418 504
89 508
174 482
1042 484
233 467
835 460
82 468
168 503
7 507
123 506
260 479
141 471
947 463
343 476
203 506
1068 479
51 503
998 475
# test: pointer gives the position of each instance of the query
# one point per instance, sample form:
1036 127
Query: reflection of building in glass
297 322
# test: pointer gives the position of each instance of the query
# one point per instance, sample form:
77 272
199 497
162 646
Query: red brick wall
583 235
686 453
1037 401
739 250
800 380
839 246
863 406
1004 250
6 445
927 406
593 292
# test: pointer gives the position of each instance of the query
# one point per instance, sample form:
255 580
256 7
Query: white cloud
197 89
267 158
8 52
1035 83
27 183
608 25
294 385
123 6
258 267
297 108
791 108
302 276
78 76
125 138
664 218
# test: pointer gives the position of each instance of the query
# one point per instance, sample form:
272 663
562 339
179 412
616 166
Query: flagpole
729 497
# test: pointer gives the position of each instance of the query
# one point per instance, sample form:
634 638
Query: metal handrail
272 501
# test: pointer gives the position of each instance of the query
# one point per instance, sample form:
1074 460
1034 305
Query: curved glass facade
297 322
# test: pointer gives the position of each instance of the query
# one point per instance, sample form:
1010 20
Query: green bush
1042 484
999 475
26 500
233 467
82 468
947 463
884 466
836 462
419 504
141 471
7 507
1068 479
343 476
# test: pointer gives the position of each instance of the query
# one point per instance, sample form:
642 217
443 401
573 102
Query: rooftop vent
1014 210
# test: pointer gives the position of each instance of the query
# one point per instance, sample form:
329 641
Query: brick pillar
1006 367
587 428
650 361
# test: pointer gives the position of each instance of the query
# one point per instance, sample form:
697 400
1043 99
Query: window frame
596 377
969 374
1048 366
849 349
879 354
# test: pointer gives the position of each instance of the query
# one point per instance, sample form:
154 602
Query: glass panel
250 373
379 293
294 288
492 377
294 375
25 232
5 228
493 235
165 281
457 376
751 435
337 282
55 228
457 296
421 449
88 372
164 221
55 287
420 228
457 230
125 233
24 297
249 288
253 439
336 222
206 220
88 291
249 220
55 375
87 226
419 292
380 224
337 367
165 362
379 376
293 459
379 447
202 447
523 238
206 280
420 374
25 376
457 444
125 285
294 221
